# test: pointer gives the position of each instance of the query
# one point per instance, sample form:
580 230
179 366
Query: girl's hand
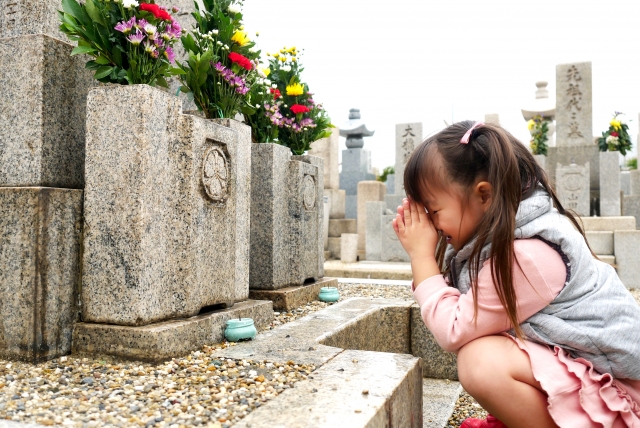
415 230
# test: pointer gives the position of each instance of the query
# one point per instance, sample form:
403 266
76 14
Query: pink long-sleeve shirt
449 314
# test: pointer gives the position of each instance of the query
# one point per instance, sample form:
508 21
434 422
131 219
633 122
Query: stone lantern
543 106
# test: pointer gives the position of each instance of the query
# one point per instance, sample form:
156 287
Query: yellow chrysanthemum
294 59
616 124
283 58
295 90
266 71
530 124
240 37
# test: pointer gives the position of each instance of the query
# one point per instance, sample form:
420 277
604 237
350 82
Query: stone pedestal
367 191
162 205
43 107
572 187
286 218
40 231
609 184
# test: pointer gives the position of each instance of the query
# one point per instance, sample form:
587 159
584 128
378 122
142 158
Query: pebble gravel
197 390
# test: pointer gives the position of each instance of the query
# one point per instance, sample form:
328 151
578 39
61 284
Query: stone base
288 298
601 242
40 234
436 362
370 270
608 223
339 226
168 339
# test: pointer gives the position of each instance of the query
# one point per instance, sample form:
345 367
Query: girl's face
457 216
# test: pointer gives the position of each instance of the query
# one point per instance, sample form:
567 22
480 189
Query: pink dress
578 396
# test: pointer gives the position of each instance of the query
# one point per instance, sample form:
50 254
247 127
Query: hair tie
465 138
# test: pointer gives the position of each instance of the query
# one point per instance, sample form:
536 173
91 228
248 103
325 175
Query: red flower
614 134
297 108
241 60
156 10
276 93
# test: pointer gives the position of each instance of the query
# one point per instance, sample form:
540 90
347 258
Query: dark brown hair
495 156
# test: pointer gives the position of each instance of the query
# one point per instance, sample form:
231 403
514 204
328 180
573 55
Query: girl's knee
483 364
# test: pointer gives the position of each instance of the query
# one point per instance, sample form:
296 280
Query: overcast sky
430 61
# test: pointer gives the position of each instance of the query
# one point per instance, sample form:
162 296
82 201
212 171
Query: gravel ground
197 390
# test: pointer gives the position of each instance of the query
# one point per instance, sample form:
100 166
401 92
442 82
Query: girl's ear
484 190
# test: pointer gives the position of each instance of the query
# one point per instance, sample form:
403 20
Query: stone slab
167 339
608 259
355 323
31 17
161 209
289 298
439 399
337 201
391 184
355 160
334 249
328 150
339 226
609 184
367 191
349 247
608 223
371 270
579 155
436 362
408 136
601 242
626 249
40 240
373 244
43 110
625 182
334 396
631 206
351 206
392 250
572 187
634 182
287 244
574 122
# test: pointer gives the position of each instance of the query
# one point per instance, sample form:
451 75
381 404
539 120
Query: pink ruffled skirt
579 396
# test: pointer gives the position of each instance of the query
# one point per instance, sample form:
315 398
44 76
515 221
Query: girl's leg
497 373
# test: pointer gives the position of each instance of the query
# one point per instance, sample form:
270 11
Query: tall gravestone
574 134
572 187
408 136
356 161
42 146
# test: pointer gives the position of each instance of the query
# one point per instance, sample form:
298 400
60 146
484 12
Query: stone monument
408 136
356 161
42 145
572 187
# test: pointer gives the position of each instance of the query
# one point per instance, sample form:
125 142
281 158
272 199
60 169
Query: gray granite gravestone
392 250
373 244
161 209
286 218
625 182
408 136
356 161
609 184
572 187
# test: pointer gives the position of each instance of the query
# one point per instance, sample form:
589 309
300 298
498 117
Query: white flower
274 86
233 8
214 32
286 68
267 82
257 105
253 50
612 140
129 3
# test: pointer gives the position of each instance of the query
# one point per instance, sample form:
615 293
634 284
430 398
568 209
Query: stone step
285 299
607 258
339 226
355 389
439 399
608 223
601 242
368 269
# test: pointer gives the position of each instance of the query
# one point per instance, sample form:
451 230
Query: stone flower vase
165 204
286 218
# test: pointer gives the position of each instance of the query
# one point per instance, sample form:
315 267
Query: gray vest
594 317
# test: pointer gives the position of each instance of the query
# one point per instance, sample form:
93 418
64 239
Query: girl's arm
449 314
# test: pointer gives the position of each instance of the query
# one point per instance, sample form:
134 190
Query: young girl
545 334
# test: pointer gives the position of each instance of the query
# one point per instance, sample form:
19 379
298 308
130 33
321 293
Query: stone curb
289 298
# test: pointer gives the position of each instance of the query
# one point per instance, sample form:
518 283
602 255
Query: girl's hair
495 156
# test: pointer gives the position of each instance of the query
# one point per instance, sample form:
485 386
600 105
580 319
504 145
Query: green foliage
386 172
114 58
285 111
219 86
632 163
616 138
538 126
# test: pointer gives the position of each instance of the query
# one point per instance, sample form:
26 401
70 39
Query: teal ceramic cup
240 329
329 294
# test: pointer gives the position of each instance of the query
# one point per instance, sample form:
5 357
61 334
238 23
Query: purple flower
175 30
136 38
175 9
125 27
219 67
140 24
169 54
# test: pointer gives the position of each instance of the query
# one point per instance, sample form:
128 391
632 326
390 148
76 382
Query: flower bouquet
129 42
222 60
538 127
285 110
616 138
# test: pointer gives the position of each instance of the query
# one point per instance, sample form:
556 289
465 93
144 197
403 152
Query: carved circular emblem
309 192
215 176
573 182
